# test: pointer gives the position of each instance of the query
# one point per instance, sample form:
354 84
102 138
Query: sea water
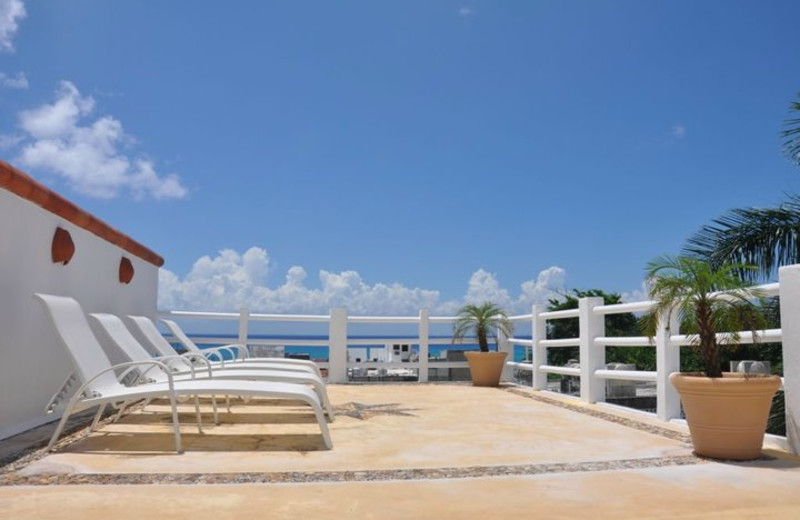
321 353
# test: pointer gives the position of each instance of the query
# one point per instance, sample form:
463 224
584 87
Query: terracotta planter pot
486 367
727 416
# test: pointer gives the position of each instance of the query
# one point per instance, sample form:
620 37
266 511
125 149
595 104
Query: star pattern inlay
363 412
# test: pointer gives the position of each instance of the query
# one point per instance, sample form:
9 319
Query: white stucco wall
32 363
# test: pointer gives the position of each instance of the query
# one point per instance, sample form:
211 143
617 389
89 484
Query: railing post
668 360
424 332
337 346
789 277
244 322
503 345
539 352
592 356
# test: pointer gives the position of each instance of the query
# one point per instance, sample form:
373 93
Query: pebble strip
295 477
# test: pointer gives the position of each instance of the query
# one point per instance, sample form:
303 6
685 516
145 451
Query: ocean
321 353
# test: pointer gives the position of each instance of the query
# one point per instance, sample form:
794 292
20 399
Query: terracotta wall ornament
63 247
125 270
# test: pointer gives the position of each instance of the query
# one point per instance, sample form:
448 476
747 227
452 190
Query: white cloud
484 287
11 12
678 131
549 284
636 295
231 280
8 141
88 155
465 11
20 81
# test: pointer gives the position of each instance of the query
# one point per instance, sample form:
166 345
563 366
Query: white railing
338 367
592 342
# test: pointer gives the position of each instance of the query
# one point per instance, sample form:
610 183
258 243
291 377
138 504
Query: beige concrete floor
701 491
403 426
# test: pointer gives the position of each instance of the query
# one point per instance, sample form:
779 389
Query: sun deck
400 451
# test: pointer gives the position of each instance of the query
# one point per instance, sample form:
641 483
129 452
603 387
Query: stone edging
295 477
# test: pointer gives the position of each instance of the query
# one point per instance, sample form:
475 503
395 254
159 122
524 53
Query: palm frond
484 321
763 237
706 299
791 134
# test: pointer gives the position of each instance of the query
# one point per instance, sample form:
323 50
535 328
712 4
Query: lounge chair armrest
176 357
240 349
128 365
188 357
217 351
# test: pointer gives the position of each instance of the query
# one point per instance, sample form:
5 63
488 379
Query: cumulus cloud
8 141
88 155
19 81
231 280
678 131
637 295
550 283
483 287
11 13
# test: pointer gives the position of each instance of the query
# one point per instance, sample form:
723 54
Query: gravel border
295 477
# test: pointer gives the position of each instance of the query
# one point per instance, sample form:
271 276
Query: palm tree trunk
708 341
483 340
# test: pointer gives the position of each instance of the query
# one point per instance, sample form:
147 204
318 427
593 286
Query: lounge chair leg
326 403
175 424
146 402
197 414
323 425
97 416
122 408
60 426
216 412
228 403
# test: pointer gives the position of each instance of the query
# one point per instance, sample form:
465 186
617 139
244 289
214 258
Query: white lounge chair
150 332
100 385
115 329
242 354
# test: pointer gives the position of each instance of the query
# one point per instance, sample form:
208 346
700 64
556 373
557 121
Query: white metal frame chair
100 385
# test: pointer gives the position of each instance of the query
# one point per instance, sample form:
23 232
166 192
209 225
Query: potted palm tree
483 321
727 413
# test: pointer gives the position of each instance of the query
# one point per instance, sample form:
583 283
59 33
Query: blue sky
392 155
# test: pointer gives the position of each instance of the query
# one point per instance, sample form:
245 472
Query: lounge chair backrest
121 336
182 337
80 342
152 335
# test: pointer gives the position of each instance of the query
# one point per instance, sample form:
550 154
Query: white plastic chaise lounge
159 344
182 367
241 350
100 385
